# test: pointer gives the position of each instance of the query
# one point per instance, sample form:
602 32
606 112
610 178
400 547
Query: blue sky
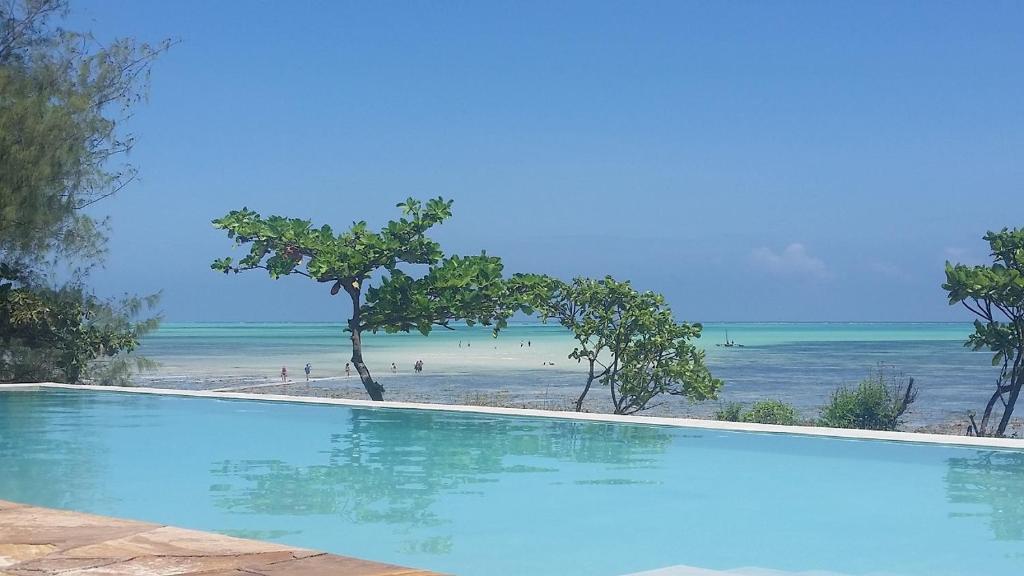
751 160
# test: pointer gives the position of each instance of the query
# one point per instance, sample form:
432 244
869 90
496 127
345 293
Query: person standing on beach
348 370
308 369
394 369
284 373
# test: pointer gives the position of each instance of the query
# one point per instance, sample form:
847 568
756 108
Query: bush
763 412
731 412
771 412
877 403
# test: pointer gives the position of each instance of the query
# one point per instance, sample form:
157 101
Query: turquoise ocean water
476 494
800 363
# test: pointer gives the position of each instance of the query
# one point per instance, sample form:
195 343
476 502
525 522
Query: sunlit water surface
490 495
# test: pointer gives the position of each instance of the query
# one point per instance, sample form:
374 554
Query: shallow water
795 362
493 495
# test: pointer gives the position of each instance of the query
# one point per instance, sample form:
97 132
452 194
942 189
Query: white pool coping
841 433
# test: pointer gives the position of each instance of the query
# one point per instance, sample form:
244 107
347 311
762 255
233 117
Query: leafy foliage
469 288
877 403
454 288
284 246
62 146
995 294
69 335
771 412
63 101
761 412
629 339
731 412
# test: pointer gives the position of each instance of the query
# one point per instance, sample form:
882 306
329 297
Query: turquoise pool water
492 495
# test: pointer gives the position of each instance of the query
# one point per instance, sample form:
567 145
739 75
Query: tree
63 102
62 143
995 294
629 340
469 288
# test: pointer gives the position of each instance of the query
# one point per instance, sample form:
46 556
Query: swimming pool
483 494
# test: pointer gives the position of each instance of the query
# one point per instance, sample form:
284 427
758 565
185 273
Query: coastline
800 364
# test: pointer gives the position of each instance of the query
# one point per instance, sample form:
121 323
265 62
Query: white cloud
791 261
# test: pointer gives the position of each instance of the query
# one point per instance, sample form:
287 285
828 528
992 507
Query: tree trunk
1008 410
375 390
613 380
590 380
983 430
1016 380
615 398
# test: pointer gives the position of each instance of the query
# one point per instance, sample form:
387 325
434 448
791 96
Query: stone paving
38 541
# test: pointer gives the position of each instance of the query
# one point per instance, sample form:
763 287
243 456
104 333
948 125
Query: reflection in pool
484 494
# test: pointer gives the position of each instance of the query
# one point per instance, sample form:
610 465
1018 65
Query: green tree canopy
629 340
63 101
995 294
453 288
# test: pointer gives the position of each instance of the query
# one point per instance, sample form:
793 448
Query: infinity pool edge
840 433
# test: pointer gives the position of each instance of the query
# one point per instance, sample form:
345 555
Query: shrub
731 412
763 412
771 412
877 403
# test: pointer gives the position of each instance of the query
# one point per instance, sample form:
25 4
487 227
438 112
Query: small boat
729 343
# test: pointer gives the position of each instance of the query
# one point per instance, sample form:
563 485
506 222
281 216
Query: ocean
527 364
